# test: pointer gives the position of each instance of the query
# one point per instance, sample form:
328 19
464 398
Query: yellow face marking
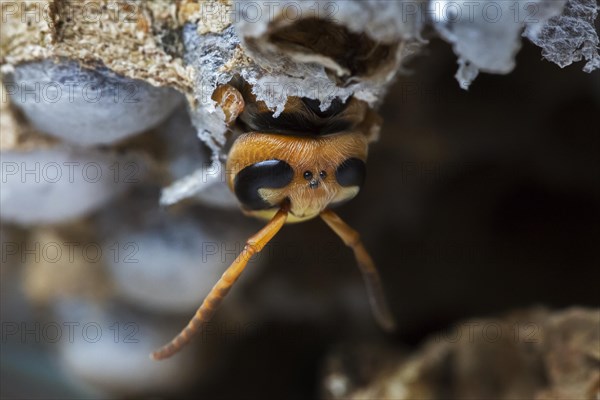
308 203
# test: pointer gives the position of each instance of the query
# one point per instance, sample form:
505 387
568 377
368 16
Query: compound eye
269 174
351 172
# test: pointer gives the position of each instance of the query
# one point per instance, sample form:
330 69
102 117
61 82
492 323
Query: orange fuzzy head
311 172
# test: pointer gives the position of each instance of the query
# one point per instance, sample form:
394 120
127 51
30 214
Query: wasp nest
537 354
109 70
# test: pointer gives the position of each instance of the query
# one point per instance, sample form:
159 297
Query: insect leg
231 102
254 245
374 287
